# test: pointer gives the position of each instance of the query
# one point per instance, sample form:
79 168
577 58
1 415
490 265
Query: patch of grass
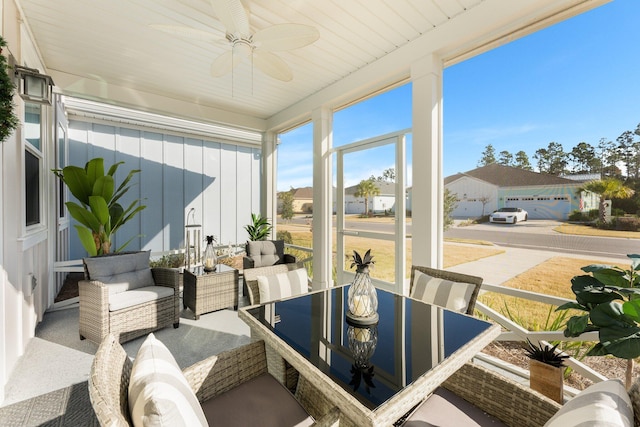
384 252
586 230
552 277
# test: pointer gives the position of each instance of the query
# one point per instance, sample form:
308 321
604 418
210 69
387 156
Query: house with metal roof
482 190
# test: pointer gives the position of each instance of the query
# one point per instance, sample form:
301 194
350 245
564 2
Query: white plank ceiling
107 50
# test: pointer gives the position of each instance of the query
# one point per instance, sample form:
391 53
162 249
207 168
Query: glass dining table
374 374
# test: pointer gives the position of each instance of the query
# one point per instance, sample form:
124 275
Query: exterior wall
377 204
25 253
221 181
469 192
542 202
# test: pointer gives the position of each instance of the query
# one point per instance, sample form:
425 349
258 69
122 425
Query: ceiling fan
258 46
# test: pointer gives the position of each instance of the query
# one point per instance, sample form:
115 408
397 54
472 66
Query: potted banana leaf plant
609 299
99 213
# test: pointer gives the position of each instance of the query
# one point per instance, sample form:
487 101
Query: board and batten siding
220 180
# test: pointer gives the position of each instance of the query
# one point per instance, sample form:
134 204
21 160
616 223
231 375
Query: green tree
488 156
388 175
551 160
506 158
99 213
607 189
366 188
522 161
608 157
583 158
627 151
450 203
286 197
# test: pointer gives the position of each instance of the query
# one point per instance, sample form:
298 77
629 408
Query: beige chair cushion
265 252
282 285
603 404
121 272
261 401
444 408
444 293
159 394
138 296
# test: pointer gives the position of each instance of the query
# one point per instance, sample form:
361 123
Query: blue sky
575 81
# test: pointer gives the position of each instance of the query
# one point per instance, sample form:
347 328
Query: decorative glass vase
209 260
362 300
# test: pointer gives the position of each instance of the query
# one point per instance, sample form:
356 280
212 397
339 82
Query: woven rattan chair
251 277
264 253
111 371
454 277
97 320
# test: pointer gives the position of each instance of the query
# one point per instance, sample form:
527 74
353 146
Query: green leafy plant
545 354
171 261
259 228
610 300
99 213
8 119
362 263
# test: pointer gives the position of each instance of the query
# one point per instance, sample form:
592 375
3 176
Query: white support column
322 197
269 190
427 194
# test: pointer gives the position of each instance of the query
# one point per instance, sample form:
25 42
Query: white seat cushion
138 296
282 285
604 404
159 394
444 293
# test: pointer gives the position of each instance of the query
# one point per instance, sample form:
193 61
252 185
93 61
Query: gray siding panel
221 181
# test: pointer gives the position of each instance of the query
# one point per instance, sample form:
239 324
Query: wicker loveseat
123 296
230 389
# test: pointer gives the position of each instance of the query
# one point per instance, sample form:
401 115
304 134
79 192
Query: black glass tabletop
371 362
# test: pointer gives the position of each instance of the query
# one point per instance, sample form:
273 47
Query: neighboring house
482 190
303 200
385 201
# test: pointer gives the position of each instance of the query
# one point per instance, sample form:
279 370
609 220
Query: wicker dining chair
454 282
209 378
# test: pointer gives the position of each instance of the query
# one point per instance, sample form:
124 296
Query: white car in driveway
508 215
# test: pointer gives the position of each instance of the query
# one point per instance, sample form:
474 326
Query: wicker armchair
111 371
453 277
98 319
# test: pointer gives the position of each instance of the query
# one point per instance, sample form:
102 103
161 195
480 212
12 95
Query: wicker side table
206 292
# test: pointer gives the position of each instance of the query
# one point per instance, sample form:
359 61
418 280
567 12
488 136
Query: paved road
532 234
539 234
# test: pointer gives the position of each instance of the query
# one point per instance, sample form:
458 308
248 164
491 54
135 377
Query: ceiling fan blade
285 37
187 32
224 63
233 16
271 64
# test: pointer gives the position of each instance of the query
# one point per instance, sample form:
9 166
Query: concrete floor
57 358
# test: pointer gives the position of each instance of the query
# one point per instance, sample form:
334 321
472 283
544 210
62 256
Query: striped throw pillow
444 293
605 404
159 394
282 285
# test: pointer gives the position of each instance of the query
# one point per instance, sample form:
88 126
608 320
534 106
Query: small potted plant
546 370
